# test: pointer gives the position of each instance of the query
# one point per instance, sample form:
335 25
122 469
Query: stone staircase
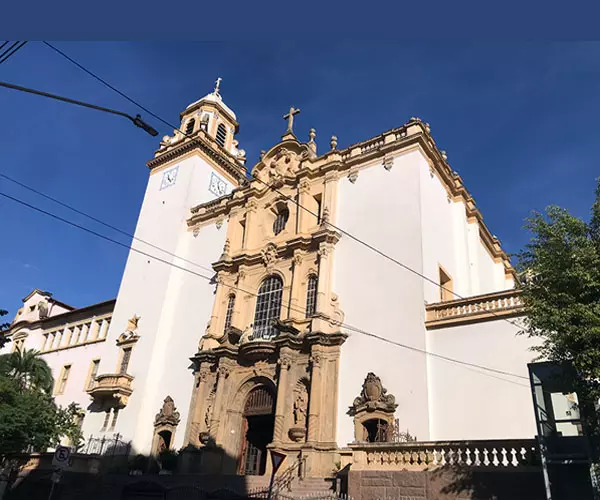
311 486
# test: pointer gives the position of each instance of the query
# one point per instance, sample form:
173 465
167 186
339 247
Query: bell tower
215 121
167 278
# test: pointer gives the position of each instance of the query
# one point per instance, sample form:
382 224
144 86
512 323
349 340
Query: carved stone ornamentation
373 397
43 308
223 372
388 163
304 186
168 414
219 224
269 254
337 315
353 176
284 163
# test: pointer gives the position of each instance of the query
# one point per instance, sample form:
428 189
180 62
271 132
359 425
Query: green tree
3 326
562 297
28 368
29 417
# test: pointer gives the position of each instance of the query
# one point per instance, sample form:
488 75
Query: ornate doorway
257 430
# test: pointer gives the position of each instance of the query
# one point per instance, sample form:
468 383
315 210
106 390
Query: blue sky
520 123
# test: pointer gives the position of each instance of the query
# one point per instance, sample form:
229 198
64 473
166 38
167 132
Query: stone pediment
281 161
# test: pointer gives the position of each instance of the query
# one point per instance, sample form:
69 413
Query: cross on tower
217 85
290 119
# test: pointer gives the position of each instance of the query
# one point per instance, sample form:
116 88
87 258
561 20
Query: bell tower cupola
217 120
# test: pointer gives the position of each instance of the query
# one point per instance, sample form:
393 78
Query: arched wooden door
257 430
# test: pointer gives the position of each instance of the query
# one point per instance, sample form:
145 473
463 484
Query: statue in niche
300 406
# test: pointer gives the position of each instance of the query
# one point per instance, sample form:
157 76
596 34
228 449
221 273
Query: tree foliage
3 326
562 295
28 369
29 418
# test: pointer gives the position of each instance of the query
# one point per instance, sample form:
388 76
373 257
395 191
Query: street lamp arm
137 121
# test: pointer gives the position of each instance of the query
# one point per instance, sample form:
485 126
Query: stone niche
373 411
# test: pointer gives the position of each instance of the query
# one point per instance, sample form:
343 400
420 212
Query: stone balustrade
116 387
477 308
429 455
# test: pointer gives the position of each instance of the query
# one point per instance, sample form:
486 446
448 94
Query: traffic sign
61 457
277 459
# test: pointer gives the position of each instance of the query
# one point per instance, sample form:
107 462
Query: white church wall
489 278
149 288
183 322
471 403
438 236
382 208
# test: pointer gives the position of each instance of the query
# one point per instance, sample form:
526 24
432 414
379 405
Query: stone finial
444 155
333 143
226 250
325 216
132 323
312 133
262 153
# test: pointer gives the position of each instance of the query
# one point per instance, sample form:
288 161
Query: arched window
311 296
268 307
189 128
229 313
221 135
281 219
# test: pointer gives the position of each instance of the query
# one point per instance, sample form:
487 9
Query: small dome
215 98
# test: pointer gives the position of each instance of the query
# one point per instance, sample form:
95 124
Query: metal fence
106 446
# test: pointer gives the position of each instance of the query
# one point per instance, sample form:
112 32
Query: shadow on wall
189 474
500 484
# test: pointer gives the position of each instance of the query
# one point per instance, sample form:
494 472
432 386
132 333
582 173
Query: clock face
217 186
169 177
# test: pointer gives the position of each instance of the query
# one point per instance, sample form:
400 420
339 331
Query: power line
343 231
105 224
209 279
14 47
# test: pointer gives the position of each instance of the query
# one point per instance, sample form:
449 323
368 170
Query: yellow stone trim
411 136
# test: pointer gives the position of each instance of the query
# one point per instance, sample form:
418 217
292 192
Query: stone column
249 240
323 286
316 383
304 217
285 363
295 302
223 373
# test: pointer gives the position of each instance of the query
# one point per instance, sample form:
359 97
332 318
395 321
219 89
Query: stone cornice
197 142
413 135
305 242
62 317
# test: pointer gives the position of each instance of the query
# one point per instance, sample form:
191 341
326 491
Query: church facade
333 296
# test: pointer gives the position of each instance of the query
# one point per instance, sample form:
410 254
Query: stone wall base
448 483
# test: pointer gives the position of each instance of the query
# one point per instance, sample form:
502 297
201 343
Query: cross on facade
290 118
217 85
